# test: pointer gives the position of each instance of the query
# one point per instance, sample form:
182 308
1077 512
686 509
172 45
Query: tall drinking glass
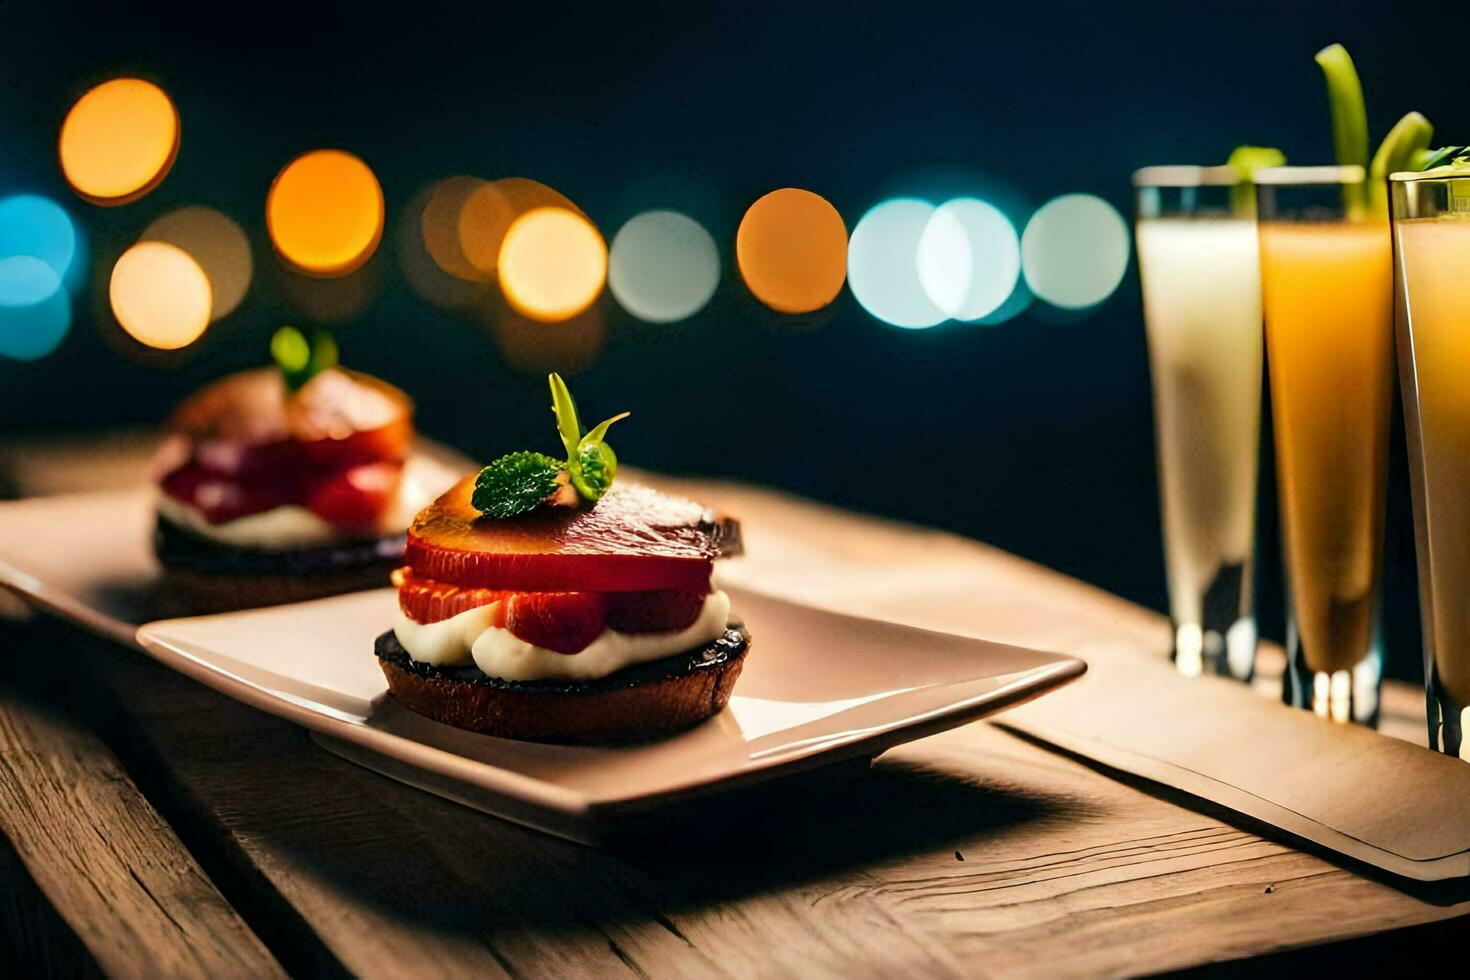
1431 234
1327 291
1200 269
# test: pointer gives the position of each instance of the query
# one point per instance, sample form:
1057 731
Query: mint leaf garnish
516 484
1446 156
520 482
302 356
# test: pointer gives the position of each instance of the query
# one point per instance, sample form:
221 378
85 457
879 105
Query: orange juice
1327 291
1434 254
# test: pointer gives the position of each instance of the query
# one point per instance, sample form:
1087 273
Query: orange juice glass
1327 296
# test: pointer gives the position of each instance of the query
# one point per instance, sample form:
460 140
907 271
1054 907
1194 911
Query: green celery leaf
516 484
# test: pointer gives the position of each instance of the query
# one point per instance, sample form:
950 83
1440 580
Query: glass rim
1438 173
1333 174
1186 175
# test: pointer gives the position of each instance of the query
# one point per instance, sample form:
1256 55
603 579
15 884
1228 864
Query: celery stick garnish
1349 118
1246 160
1409 137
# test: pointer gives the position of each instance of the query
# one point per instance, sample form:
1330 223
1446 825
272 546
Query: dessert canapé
543 600
284 484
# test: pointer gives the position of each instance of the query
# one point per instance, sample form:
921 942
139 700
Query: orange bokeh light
439 224
325 213
792 250
552 265
160 295
491 209
118 141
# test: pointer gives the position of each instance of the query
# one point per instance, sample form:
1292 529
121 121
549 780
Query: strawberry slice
562 621
426 601
661 611
356 498
219 498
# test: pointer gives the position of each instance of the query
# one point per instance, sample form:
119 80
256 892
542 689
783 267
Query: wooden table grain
227 842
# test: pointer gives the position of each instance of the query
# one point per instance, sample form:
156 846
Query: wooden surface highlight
109 866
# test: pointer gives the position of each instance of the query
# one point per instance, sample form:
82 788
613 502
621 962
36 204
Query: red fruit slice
426 601
663 611
635 539
562 621
354 499
218 498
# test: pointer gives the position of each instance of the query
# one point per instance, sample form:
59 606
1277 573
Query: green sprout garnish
1246 160
301 356
1409 136
521 482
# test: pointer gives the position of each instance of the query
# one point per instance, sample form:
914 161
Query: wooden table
152 826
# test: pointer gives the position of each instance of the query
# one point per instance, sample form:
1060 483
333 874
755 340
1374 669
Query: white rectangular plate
818 687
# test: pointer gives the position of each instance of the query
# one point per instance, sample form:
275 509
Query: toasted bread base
639 702
203 576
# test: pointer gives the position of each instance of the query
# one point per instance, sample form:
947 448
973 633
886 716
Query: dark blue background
1034 435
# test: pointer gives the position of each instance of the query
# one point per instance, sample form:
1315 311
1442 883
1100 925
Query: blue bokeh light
39 227
35 310
883 267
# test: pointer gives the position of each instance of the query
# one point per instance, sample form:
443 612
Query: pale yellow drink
1434 254
1202 307
1327 295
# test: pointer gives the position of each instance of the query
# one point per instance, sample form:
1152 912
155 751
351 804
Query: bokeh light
160 295
1075 250
792 250
663 266
883 266
969 258
489 212
39 227
35 310
421 272
552 264
325 213
439 226
119 141
217 243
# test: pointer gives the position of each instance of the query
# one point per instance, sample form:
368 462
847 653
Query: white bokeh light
883 267
1075 250
663 266
969 258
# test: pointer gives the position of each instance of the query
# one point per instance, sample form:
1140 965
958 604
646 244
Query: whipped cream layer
470 637
291 526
